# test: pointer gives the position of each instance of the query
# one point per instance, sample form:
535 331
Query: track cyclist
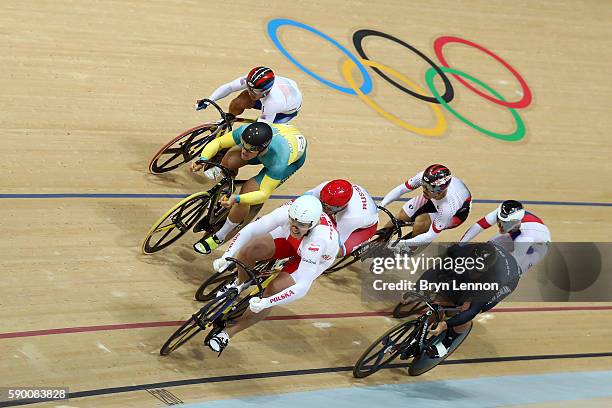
522 233
280 148
278 98
352 209
492 267
444 203
298 230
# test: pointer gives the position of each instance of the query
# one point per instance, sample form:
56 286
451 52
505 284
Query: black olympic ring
358 37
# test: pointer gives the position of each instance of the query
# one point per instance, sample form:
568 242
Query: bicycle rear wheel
183 148
385 349
358 254
209 288
175 222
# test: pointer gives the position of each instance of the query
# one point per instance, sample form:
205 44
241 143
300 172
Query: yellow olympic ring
437 130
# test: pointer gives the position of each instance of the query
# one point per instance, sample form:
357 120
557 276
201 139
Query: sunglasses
253 149
259 92
507 225
332 208
298 224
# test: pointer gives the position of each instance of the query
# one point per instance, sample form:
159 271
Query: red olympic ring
525 100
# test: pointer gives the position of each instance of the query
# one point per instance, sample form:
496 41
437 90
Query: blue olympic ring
275 24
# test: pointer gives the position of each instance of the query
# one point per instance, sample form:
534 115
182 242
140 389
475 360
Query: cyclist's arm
317 190
522 245
224 142
397 192
467 315
221 92
481 225
264 225
311 266
424 238
268 185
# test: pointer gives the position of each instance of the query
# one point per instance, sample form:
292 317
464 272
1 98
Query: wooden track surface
90 90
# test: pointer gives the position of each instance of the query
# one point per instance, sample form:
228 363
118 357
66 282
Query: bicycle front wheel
184 333
183 148
385 349
175 222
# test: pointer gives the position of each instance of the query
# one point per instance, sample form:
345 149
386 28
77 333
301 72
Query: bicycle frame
423 321
260 287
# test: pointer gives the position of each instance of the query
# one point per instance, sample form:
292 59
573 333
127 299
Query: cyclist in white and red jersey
353 210
299 230
522 233
444 204
278 98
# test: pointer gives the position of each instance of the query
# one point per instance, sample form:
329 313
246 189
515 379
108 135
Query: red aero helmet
436 178
337 193
260 79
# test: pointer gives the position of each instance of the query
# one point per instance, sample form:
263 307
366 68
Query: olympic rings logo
401 82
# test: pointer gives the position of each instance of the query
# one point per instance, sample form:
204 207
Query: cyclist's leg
232 159
248 319
243 101
283 118
413 208
402 216
238 212
260 248
358 237
281 249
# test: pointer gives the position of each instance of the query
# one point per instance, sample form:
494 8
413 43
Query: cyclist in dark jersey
497 266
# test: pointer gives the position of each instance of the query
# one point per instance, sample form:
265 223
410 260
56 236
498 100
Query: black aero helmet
509 215
436 178
484 255
256 137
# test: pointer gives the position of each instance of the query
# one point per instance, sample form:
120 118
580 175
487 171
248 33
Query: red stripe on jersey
437 231
483 223
529 217
408 186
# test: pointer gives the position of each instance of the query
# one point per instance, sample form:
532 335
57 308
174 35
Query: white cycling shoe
219 341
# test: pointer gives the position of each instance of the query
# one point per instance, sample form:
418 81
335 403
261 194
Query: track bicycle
408 341
201 211
376 246
221 310
189 144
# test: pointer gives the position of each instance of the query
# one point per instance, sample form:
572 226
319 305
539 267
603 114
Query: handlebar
397 224
227 173
248 270
433 307
224 115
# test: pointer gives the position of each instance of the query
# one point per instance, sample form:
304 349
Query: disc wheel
175 222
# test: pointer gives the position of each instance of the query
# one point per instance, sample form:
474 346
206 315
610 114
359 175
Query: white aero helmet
509 215
307 210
